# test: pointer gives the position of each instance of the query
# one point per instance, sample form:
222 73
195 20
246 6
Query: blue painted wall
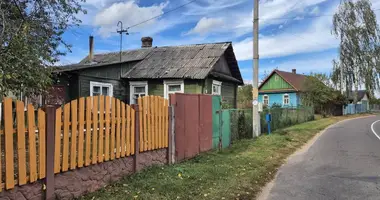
294 99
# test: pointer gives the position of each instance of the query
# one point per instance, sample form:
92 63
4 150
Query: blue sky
293 33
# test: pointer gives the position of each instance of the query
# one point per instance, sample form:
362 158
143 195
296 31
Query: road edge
264 194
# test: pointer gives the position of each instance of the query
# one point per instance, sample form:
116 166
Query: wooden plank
167 134
107 136
145 118
149 122
81 132
95 129
113 126
160 114
42 143
152 101
65 153
141 138
129 127
156 103
32 144
163 122
101 129
123 149
133 115
9 155
118 128
74 124
88 131
57 143
21 152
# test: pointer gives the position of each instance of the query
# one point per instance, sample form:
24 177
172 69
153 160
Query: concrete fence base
73 184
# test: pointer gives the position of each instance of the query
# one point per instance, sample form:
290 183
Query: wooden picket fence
88 131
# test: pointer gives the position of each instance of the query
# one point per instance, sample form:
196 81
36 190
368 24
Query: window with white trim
137 89
172 87
98 88
266 100
286 99
216 87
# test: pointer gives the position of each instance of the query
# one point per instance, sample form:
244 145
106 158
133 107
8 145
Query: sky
294 34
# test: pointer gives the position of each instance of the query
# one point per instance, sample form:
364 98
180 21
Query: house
282 88
197 69
361 106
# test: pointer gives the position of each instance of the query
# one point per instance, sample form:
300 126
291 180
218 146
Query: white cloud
129 13
206 7
314 38
315 10
206 25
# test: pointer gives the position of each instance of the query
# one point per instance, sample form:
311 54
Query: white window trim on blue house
284 98
266 96
132 86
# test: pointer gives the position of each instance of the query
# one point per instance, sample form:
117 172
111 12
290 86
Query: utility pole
121 31
255 84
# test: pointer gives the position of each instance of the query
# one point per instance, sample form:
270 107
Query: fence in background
350 109
241 120
88 131
374 107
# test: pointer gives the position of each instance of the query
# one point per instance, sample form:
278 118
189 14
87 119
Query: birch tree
356 27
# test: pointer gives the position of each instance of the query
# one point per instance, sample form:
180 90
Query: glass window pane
174 88
96 91
140 89
105 91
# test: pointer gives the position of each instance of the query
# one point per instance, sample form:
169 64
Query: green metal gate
216 107
221 136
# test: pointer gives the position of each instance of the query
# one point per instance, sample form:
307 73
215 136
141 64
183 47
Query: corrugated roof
189 61
192 61
295 80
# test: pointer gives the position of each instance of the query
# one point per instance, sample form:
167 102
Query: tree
244 96
356 26
31 38
322 97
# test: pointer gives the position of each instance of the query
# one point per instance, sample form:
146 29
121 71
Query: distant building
282 88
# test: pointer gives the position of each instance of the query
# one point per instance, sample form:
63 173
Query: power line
177 8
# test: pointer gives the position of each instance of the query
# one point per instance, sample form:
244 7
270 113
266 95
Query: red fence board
193 124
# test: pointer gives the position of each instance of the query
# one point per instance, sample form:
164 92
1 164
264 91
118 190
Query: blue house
282 88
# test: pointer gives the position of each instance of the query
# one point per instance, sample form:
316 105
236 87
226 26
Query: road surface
343 163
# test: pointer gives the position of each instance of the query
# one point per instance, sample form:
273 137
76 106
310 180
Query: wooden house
196 69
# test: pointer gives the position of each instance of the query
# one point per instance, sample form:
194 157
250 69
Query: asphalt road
343 163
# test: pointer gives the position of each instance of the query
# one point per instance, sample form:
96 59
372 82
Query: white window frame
168 83
132 85
283 99
267 96
100 84
219 85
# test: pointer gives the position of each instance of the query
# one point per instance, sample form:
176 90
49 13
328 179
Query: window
266 100
286 99
173 86
97 88
137 89
216 87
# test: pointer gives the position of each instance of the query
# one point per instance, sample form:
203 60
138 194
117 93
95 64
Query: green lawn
235 173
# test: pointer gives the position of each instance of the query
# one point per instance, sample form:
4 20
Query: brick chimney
147 42
91 49
294 71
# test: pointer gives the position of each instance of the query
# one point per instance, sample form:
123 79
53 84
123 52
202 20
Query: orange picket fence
88 131
154 122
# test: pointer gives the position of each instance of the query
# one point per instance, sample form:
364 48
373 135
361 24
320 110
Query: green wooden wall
156 87
276 82
119 88
229 94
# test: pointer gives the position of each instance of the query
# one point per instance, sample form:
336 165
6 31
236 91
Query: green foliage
323 98
244 96
358 65
31 38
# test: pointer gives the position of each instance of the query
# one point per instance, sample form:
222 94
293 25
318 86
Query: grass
235 173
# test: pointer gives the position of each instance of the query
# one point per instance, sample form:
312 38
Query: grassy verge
235 173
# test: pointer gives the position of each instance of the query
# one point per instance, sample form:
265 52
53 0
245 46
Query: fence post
171 148
50 128
137 137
